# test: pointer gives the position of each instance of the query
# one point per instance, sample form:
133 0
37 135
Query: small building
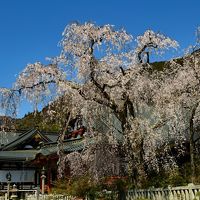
23 156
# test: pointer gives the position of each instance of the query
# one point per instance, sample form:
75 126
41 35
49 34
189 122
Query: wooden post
8 177
43 177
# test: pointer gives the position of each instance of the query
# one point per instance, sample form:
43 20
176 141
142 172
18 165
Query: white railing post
191 194
170 195
176 193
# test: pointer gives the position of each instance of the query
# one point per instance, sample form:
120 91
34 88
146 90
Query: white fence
49 197
189 192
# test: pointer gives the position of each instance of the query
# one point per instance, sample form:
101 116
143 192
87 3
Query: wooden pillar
49 180
43 177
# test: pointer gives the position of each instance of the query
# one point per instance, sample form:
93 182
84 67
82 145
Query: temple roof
10 152
6 138
68 146
18 155
22 138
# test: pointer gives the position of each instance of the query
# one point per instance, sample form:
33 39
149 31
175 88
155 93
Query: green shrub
79 187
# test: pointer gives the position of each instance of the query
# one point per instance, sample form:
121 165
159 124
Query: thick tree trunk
138 171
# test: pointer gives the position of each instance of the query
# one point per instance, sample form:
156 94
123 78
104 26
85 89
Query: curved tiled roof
76 144
51 148
10 152
19 155
21 138
6 138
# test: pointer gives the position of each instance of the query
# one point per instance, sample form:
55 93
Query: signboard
18 176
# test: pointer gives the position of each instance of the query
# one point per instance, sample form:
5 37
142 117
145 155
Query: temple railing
49 197
3 188
189 192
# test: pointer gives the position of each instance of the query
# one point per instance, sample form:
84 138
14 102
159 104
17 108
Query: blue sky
31 29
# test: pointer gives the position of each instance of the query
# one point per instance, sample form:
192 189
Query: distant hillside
36 119
42 121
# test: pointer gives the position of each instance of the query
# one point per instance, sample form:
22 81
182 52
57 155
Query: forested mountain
35 119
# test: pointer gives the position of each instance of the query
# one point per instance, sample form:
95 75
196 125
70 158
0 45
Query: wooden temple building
25 156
